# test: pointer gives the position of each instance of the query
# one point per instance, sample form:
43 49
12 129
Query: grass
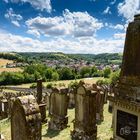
10 70
66 82
4 62
104 130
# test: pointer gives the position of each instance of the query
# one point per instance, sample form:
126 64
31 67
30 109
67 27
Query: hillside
105 58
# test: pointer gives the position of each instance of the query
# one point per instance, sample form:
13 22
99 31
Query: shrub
49 85
34 85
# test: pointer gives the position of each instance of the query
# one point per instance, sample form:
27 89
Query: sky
68 26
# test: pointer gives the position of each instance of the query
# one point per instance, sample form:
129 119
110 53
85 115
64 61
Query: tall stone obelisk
127 98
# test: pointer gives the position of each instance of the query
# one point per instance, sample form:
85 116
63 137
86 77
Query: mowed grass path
104 129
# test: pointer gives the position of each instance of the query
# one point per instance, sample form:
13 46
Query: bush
107 72
55 76
114 77
34 85
103 82
50 85
85 72
73 84
61 85
66 74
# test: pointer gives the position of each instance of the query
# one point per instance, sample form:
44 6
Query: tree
114 77
85 72
66 74
48 73
55 76
107 72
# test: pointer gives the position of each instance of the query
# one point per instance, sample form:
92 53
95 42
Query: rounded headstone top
137 17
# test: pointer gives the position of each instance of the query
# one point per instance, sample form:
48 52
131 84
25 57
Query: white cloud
14 18
107 11
113 2
129 8
5 1
37 4
16 23
77 24
34 32
116 27
119 36
10 42
119 27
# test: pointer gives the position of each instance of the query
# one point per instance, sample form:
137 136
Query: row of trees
33 72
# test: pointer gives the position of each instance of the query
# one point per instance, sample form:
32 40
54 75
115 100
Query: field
10 69
104 129
3 62
66 82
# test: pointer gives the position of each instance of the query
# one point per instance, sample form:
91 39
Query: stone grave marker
85 113
3 108
42 105
71 95
100 97
58 109
25 119
126 110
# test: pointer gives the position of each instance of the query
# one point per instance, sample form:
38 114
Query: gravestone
71 95
39 91
2 137
85 113
58 109
25 119
42 106
4 109
100 96
127 97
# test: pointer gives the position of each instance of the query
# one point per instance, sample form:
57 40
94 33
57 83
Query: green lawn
66 82
104 130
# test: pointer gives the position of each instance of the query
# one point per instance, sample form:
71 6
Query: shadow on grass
51 133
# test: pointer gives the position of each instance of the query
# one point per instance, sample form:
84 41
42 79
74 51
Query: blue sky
69 26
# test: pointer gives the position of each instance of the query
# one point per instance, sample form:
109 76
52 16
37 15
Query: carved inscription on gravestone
127 125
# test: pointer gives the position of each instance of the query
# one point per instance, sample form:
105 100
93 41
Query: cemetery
36 114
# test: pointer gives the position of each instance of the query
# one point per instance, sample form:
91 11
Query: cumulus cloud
77 24
116 27
10 42
107 11
120 36
37 4
14 18
129 8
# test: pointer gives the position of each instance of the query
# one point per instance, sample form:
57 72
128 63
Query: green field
66 82
104 130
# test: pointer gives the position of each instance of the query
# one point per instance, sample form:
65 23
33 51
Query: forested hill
105 58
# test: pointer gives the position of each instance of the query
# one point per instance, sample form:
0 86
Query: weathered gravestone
71 95
3 108
127 98
99 103
85 113
42 105
2 137
58 109
25 119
